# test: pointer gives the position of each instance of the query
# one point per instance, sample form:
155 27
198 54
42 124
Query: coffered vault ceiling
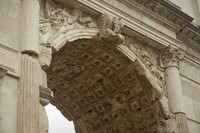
96 84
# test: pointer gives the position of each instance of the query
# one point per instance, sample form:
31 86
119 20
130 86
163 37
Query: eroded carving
63 18
45 55
171 56
148 57
46 95
163 105
111 28
57 20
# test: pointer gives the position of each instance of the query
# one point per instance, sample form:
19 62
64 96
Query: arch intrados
62 38
87 34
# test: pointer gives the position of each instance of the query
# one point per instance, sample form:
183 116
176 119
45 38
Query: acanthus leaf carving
171 56
111 28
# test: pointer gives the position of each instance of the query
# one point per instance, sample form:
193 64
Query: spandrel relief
148 55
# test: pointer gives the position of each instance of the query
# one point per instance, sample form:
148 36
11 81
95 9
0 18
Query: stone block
193 127
190 72
8 105
188 107
9 58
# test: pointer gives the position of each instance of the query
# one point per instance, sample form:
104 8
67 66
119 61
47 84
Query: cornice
132 26
173 14
163 10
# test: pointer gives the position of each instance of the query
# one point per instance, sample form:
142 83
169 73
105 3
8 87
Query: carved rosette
111 28
171 56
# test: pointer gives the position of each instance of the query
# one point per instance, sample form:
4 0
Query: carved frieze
171 56
58 18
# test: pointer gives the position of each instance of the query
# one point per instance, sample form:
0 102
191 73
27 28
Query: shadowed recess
99 88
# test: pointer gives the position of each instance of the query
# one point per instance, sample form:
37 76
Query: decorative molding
111 28
9 48
173 14
46 95
131 23
171 56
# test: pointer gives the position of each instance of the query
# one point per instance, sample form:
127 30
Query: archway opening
101 89
57 123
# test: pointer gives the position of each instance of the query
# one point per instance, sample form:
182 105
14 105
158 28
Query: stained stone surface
94 83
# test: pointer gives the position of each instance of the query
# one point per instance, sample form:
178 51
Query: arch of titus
110 66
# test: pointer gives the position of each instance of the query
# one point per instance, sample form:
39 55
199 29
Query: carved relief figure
164 107
110 28
58 18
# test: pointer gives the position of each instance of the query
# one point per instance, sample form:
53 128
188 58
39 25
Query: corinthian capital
171 56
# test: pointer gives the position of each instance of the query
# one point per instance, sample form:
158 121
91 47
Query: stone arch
58 40
100 88
61 38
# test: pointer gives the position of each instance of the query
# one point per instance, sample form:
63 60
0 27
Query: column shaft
30 26
174 89
28 112
28 103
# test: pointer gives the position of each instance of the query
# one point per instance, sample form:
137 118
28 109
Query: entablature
132 25
162 11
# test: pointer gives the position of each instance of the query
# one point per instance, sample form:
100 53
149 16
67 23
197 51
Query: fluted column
28 102
170 59
28 111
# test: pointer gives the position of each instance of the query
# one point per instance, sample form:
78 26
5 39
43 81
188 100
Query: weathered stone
113 66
